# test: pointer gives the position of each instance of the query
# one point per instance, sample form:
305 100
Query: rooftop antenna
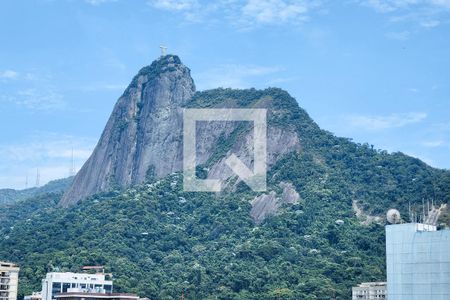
409 210
38 177
423 210
72 167
163 50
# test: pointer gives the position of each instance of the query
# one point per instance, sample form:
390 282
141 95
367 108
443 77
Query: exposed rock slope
143 135
267 205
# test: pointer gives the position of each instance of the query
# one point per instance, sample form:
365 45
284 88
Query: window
65 287
56 288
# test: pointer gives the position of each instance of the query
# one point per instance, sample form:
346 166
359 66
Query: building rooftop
8 265
84 295
415 226
367 284
81 276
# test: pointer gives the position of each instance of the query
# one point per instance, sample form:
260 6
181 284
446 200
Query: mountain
143 133
159 241
143 137
10 196
315 233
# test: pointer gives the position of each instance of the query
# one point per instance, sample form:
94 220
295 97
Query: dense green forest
10 196
159 241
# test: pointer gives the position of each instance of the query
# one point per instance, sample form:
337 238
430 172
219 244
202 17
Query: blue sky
377 71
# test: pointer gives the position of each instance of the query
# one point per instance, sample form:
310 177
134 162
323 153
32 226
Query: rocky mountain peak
143 137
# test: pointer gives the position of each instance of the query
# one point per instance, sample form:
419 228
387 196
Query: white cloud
34 91
385 6
429 23
9 74
235 76
441 3
399 36
177 5
104 87
47 146
25 76
385 122
433 144
34 99
37 100
26 177
50 152
275 11
243 14
424 13
98 2
194 11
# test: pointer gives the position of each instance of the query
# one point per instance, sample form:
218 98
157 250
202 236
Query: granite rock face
143 137
269 204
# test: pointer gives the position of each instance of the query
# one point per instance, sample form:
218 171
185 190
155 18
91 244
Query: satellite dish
393 216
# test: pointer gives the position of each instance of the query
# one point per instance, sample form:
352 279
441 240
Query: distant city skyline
374 71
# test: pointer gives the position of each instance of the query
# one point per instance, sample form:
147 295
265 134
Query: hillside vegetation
10 196
160 241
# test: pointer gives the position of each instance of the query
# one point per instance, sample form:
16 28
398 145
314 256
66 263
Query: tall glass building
418 262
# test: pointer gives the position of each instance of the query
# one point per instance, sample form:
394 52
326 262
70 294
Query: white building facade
418 262
56 283
9 281
370 291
